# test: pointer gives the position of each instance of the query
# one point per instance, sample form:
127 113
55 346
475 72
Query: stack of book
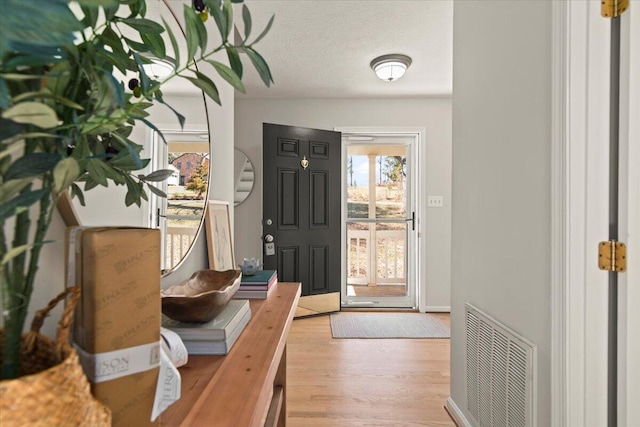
259 285
216 336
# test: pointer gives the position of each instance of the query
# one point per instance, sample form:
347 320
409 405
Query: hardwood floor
365 382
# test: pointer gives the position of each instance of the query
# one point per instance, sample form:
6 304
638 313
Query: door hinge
613 8
612 256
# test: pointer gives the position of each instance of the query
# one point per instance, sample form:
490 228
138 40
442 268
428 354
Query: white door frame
419 177
628 286
580 138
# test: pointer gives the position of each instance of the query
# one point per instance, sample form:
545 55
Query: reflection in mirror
180 216
244 176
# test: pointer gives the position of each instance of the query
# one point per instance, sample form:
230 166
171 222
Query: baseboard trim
438 309
456 414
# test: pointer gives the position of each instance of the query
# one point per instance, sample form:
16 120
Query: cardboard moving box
119 317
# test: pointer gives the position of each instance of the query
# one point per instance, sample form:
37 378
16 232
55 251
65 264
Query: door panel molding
288 147
288 212
319 200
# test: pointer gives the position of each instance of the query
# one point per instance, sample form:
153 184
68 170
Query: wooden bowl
201 297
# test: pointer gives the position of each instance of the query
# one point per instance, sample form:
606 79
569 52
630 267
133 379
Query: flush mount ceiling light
390 67
159 68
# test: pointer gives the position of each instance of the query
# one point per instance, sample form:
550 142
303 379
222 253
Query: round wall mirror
180 215
244 176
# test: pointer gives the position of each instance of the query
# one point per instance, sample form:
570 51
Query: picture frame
219 238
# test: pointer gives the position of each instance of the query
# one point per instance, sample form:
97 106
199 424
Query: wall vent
500 373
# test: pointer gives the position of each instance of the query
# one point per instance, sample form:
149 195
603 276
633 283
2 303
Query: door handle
268 238
413 221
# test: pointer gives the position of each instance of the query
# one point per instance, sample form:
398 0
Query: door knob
268 238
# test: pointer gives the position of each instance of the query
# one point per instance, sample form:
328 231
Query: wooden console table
247 387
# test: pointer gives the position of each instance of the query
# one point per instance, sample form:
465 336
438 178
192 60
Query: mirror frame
253 182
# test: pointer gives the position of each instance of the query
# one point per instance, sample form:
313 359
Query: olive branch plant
67 113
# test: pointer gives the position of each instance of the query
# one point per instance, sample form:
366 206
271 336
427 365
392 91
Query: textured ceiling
322 48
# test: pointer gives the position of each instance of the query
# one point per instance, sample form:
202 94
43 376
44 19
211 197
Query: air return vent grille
500 373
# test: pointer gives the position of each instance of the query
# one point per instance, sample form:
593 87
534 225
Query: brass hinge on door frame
613 8
612 256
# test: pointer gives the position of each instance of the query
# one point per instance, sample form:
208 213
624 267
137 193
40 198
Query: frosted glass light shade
159 68
390 67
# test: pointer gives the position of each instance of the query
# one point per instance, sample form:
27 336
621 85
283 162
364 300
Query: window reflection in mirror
180 214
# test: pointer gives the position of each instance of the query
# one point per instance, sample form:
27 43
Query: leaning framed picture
219 239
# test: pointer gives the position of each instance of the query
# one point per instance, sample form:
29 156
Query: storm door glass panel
377 223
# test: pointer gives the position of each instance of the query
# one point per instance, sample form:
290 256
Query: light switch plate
435 201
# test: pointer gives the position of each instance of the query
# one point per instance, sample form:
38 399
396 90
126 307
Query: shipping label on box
118 320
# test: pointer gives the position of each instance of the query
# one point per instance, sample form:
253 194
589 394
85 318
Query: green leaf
91 13
96 3
110 9
158 175
22 201
21 77
218 17
203 82
137 46
95 168
111 39
65 172
155 43
234 60
144 79
33 23
10 188
246 17
196 22
9 129
174 44
261 66
228 14
228 74
117 88
14 252
155 190
191 19
33 113
4 93
58 78
134 190
143 25
89 183
117 61
265 31
31 165
27 135
125 163
64 101
77 192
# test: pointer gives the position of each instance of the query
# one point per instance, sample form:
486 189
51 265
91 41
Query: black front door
302 214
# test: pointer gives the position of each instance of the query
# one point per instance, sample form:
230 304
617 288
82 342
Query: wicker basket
52 389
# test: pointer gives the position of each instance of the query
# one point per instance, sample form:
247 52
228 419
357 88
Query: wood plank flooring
365 382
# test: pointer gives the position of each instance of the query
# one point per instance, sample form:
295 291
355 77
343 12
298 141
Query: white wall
501 177
434 114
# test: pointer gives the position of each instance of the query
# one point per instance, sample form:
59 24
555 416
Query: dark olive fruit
111 150
198 5
133 83
204 15
137 91
70 149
